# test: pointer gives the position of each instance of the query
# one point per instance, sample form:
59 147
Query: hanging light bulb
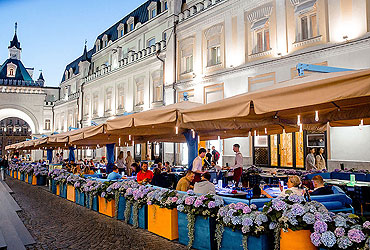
193 132
133 143
299 119
284 131
266 131
98 146
198 139
361 124
317 116
119 141
255 133
129 137
218 138
148 142
300 128
177 130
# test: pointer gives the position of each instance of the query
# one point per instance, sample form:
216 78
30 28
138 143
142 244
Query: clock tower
15 47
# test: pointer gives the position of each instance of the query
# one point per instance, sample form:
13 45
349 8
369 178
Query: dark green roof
22 77
15 42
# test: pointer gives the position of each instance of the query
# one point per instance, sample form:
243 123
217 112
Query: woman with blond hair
294 187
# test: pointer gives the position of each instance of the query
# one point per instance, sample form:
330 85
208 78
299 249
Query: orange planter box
19 175
297 240
26 178
71 194
163 222
107 207
34 180
58 189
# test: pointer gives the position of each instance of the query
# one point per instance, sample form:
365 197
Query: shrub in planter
119 197
162 213
292 217
197 219
344 231
136 200
90 189
240 226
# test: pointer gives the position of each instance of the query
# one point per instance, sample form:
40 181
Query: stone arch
22 113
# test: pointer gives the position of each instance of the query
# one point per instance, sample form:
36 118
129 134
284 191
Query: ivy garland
277 238
50 187
218 234
135 214
245 242
128 210
90 200
116 201
191 224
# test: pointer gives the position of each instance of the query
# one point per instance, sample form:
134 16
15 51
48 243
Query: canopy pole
110 157
49 155
71 156
192 146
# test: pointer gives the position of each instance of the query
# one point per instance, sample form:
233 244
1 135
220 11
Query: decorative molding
214 30
261 54
307 41
260 13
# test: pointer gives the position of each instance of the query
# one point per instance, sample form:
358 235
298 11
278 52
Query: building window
164 36
131 26
11 72
108 100
151 42
214 55
153 13
306 20
262 40
47 124
165 5
188 94
11 69
87 106
186 55
122 33
214 45
213 93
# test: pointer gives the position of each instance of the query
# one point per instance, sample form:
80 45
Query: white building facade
214 49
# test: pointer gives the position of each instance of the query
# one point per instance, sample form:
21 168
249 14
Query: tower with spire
15 46
85 62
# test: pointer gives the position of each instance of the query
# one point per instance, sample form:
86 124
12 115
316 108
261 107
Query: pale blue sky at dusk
52 32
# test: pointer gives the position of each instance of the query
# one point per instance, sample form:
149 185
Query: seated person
215 166
259 193
204 186
135 168
159 180
144 175
184 182
294 187
320 188
113 176
160 166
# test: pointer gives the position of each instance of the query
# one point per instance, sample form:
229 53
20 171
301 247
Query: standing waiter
238 167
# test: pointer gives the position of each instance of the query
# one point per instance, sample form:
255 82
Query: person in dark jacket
320 188
159 179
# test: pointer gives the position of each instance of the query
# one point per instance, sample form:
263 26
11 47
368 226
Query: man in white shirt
198 165
238 166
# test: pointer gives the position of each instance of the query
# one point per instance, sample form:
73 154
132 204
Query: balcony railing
71 97
131 58
197 8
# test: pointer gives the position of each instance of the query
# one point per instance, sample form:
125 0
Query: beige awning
336 96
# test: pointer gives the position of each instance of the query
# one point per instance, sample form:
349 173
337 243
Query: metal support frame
301 67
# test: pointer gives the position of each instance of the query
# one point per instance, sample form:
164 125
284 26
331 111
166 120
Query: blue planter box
94 203
53 187
121 208
233 240
142 217
63 191
29 179
204 232
23 177
80 197
41 180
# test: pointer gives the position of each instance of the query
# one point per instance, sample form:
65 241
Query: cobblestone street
56 223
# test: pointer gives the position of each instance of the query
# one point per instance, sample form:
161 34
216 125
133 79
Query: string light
266 131
119 141
177 130
361 123
133 143
218 138
299 119
300 128
129 137
255 133
284 131
193 132
317 116
198 139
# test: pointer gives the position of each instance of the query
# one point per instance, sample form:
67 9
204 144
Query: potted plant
162 213
136 206
40 173
120 196
90 189
106 199
344 231
79 194
292 219
197 219
240 226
